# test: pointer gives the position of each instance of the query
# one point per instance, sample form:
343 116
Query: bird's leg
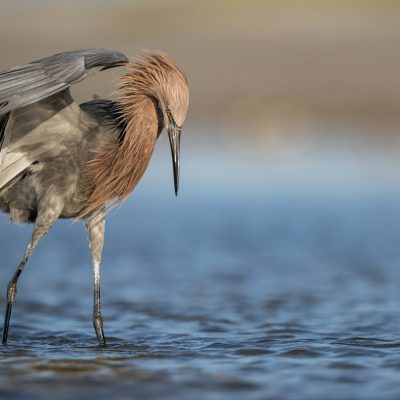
43 223
95 228
12 290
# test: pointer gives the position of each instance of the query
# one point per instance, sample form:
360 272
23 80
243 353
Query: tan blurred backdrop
266 70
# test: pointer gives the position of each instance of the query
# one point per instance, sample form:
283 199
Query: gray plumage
26 84
45 140
42 124
56 156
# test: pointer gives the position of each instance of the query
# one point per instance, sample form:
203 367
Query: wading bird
59 159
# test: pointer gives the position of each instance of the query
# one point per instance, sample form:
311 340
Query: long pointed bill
174 133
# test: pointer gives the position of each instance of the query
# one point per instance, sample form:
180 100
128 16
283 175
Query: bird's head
157 76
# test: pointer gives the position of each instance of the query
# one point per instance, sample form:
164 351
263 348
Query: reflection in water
276 291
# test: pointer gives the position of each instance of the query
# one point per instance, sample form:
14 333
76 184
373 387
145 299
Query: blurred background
276 270
276 80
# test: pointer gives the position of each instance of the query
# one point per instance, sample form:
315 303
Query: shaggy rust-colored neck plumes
153 82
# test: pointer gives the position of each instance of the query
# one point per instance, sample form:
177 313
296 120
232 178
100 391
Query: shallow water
245 287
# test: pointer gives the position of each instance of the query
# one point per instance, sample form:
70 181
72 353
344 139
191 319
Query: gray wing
27 84
47 79
5 134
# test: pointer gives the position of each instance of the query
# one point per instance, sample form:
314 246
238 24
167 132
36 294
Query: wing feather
26 84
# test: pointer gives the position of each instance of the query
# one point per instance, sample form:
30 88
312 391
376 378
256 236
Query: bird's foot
98 327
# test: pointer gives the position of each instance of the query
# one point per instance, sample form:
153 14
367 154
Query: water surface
265 279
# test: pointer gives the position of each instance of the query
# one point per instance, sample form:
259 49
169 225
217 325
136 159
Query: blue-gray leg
12 291
43 223
95 227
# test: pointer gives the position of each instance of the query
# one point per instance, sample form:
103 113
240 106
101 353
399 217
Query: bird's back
51 142
45 138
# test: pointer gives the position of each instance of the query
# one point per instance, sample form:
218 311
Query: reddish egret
59 159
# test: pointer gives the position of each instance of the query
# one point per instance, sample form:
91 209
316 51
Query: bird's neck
116 168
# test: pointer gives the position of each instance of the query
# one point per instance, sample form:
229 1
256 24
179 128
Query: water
265 279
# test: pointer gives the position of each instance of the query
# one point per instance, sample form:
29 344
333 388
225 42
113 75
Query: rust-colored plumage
117 167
